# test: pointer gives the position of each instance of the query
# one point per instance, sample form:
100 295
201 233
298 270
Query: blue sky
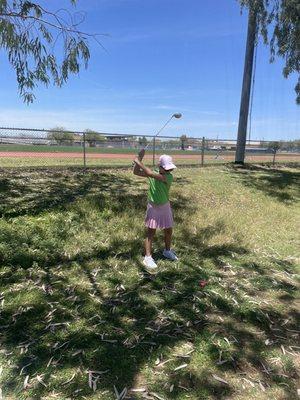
163 56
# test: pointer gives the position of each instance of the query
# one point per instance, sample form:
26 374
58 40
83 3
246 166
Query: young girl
159 212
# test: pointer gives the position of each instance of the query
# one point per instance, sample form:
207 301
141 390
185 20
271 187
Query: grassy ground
21 162
80 319
79 149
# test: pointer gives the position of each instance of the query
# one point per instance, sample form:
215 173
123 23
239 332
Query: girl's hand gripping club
140 156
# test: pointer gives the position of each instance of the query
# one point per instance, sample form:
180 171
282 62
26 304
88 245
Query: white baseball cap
166 162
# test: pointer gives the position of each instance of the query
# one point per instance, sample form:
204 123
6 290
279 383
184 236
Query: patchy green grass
79 149
61 156
121 162
42 162
78 316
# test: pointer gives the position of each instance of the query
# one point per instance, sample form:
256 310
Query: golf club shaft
145 148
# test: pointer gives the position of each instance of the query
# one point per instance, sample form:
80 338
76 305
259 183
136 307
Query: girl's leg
168 237
148 241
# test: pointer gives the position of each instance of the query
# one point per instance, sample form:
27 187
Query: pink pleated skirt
159 216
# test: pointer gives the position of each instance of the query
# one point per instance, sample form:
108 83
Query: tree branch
60 26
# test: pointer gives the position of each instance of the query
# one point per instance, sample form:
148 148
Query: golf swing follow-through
176 115
159 212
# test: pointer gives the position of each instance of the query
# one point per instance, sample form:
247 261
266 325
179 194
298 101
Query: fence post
84 152
202 151
153 155
274 155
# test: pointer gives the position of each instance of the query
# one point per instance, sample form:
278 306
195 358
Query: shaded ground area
80 319
38 191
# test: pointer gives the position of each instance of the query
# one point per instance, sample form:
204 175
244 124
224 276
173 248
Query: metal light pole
246 89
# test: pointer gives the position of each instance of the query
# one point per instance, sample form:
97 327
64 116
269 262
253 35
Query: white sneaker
150 265
170 254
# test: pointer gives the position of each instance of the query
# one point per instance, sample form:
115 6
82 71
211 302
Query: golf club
176 115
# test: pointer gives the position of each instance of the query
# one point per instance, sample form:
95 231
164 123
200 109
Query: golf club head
177 115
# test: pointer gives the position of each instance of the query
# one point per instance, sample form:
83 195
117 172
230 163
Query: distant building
118 138
25 141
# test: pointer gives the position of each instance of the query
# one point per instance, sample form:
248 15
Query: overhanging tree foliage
279 24
30 34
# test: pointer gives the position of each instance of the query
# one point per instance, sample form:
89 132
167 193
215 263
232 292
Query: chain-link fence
34 147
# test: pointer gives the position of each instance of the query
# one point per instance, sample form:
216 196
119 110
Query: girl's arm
147 172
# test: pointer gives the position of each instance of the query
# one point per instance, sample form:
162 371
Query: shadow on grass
33 191
64 327
281 184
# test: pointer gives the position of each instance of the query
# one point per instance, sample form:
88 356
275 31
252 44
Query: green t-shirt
159 191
